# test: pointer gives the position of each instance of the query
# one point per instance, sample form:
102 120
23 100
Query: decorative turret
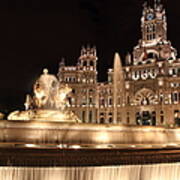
87 63
128 59
88 51
88 57
62 62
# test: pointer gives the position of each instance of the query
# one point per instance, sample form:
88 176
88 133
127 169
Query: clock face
150 16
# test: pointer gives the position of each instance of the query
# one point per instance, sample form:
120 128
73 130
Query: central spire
157 3
150 3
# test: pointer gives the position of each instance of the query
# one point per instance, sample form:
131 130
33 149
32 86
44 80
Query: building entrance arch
145 100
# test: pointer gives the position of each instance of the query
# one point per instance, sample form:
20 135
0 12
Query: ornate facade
145 91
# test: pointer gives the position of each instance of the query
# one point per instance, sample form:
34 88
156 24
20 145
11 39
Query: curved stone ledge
35 134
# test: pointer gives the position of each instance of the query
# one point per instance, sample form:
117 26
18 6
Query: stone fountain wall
87 135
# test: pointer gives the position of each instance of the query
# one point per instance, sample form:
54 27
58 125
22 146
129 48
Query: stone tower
153 44
153 24
88 63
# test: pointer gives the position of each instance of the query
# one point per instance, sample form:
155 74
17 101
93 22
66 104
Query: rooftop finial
157 3
83 50
145 4
62 63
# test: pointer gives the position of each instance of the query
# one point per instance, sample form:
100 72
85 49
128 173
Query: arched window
151 55
102 102
70 100
102 120
85 63
90 90
110 120
84 100
110 101
177 117
110 114
90 100
91 63
161 117
174 97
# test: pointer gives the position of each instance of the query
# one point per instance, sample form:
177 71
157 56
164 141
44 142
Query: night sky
35 34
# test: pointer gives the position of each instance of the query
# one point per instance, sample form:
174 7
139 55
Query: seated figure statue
49 102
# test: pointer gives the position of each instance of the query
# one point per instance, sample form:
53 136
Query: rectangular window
162 119
90 116
83 116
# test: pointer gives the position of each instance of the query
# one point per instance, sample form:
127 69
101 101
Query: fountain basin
41 134
49 150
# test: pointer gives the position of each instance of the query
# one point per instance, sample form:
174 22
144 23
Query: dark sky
34 34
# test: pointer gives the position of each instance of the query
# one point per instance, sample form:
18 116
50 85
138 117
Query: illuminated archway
145 97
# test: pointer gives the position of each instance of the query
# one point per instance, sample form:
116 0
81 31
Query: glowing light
173 144
75 146
30 145
132 146
61 146
160 64
127 69
127 86
160 82
102 137
176 115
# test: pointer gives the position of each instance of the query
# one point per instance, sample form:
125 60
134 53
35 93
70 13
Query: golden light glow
160 82
102 137
75 146
30 145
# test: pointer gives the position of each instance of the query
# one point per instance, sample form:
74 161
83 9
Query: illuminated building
45 146
148 90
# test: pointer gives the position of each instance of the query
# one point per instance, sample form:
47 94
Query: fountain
118 84
46 142
48 103
43 150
